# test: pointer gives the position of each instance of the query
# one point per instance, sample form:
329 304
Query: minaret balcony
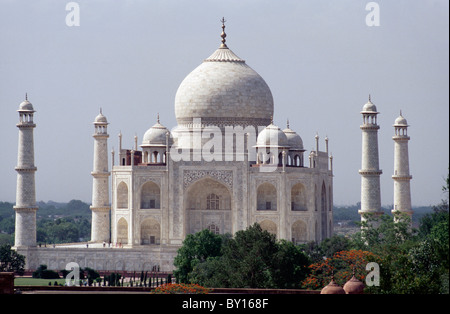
369 127
370 172
401 138
26 168
25 208
100 173
24 124
402 177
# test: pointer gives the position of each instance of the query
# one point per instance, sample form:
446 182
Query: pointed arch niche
122 195
266 197
150 232
269 226
208 202
299 232
122 231
298 197
150 196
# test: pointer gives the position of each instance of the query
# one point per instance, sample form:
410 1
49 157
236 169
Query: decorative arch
299 232
269 226
122 231
122 195
206 189
150 195
298 197
223 176
280 159
156 157
266 197
208 202
297 161
150 232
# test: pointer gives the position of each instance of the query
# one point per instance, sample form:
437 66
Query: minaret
402 190
25 208
370 172
100 188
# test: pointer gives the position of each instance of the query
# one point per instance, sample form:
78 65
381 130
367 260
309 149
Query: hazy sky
319 58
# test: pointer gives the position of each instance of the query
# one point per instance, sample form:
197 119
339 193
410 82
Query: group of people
118 245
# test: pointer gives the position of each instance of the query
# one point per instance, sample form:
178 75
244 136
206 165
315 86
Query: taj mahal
224 167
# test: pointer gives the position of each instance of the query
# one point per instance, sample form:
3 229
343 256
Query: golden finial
287 123
26 96
157 118
369 98
223 35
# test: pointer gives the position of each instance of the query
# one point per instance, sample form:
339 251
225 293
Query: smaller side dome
155 136
295 142
272 136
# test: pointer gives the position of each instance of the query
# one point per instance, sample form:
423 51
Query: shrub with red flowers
180 288
342 265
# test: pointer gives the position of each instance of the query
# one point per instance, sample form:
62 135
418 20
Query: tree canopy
10 260
252 258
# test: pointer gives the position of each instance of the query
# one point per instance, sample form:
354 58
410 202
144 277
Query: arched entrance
122 195
122 231
298 197
269 226
208 203
150 196
150 232
266 197
299 232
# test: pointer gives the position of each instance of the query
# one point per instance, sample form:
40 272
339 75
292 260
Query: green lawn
25 281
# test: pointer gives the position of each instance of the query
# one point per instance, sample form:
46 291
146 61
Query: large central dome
224 90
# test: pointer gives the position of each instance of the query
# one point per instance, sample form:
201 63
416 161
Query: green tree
61 230
211 273
290 266
381 233
313 250
196 248
91 275
249 258
10 260
409 262
44 273
425 263
253 258
336 243
391 241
